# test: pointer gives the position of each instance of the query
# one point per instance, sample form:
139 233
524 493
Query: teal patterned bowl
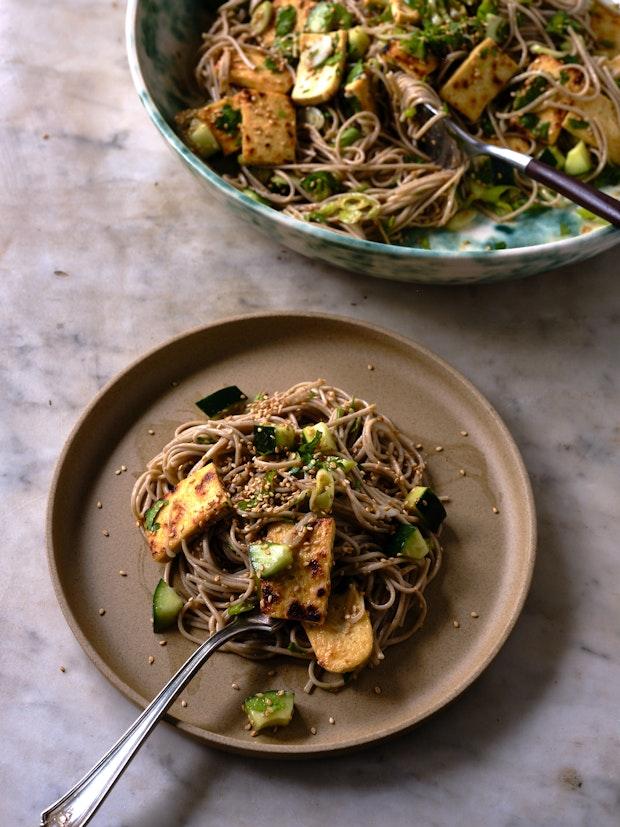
163 37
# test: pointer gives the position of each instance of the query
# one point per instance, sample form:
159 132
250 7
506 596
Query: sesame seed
462 472
313 730
439 448
151 431
371 367
123 467
151 659
269 702
105 532
254 733
99 504
332 720
234 686
456 624
102 612
248 727
122 573
419 446
377 690
62 669
217 578
117 472
174 384
271 673
183 704
163 642
464 433
474 614
495 509
279 693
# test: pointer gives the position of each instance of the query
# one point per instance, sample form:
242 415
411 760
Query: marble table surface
107 247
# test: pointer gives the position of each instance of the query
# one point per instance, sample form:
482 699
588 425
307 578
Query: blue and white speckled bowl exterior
162 42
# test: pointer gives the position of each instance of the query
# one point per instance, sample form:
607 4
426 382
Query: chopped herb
356 71
542 130
560 22
306 447
241 608
153 511
272 65
320 185
286 18
228 119
529 94
576 123
529 120
564 76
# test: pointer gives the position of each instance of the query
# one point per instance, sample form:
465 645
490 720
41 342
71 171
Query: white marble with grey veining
107 247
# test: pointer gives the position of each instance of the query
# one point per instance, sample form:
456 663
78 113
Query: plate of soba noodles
311 118
336 478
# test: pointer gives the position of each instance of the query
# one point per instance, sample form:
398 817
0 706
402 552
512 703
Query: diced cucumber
358 42
202 139
270 559
551 155
408 542
322 496
221 401
166 606
428 507
578 160
269 437
347 465
270 708
242 608
327 442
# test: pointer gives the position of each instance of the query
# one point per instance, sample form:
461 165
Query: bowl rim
353 244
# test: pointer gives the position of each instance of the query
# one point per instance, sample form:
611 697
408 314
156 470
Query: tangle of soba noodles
214 572
384 165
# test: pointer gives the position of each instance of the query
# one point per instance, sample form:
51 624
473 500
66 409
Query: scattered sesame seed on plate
105 532
63 669
151 432
419 446
371 367
456 624
99 504
151 659
332 720
122 573
102 612
439 448
377 690
271 673
474 614
464 433
123 467
234 686
183 704
254 733
163 642
495 509
462 472
313 730
117 472
248 727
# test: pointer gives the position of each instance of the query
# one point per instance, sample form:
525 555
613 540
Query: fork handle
578 191
78 806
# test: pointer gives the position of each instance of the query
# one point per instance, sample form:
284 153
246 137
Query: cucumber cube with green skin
327 443
267 438
241 608
408 542
222 400
427 506
166 606
270 559
270 708
578 160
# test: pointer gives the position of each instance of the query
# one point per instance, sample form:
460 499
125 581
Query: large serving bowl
162 43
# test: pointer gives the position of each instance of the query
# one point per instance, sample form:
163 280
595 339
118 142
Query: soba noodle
213 570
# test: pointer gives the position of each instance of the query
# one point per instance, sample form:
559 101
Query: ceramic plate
488 556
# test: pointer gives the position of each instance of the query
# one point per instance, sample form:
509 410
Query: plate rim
224 742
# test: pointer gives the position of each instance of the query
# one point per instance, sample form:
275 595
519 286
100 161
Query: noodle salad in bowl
316 106
308 505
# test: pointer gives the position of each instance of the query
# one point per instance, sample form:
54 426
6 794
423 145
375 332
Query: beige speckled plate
488 561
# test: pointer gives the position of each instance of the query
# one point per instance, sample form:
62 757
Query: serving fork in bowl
77 806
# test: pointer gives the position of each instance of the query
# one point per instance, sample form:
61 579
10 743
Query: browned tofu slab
550 117
479 79
414 66
601 110
221 117
268 134
268 74
197 500
303 9
605 24
301 592
341 645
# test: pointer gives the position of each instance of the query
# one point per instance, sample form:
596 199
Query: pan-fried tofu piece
605 24
479 79
417 67
402 13
341 645
601 110
301 592
361 91
197 500
302 7
269 73
550 118
223 119
321 64
515 142
267 129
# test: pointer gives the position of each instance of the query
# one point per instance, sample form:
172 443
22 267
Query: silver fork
80 803
447 138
